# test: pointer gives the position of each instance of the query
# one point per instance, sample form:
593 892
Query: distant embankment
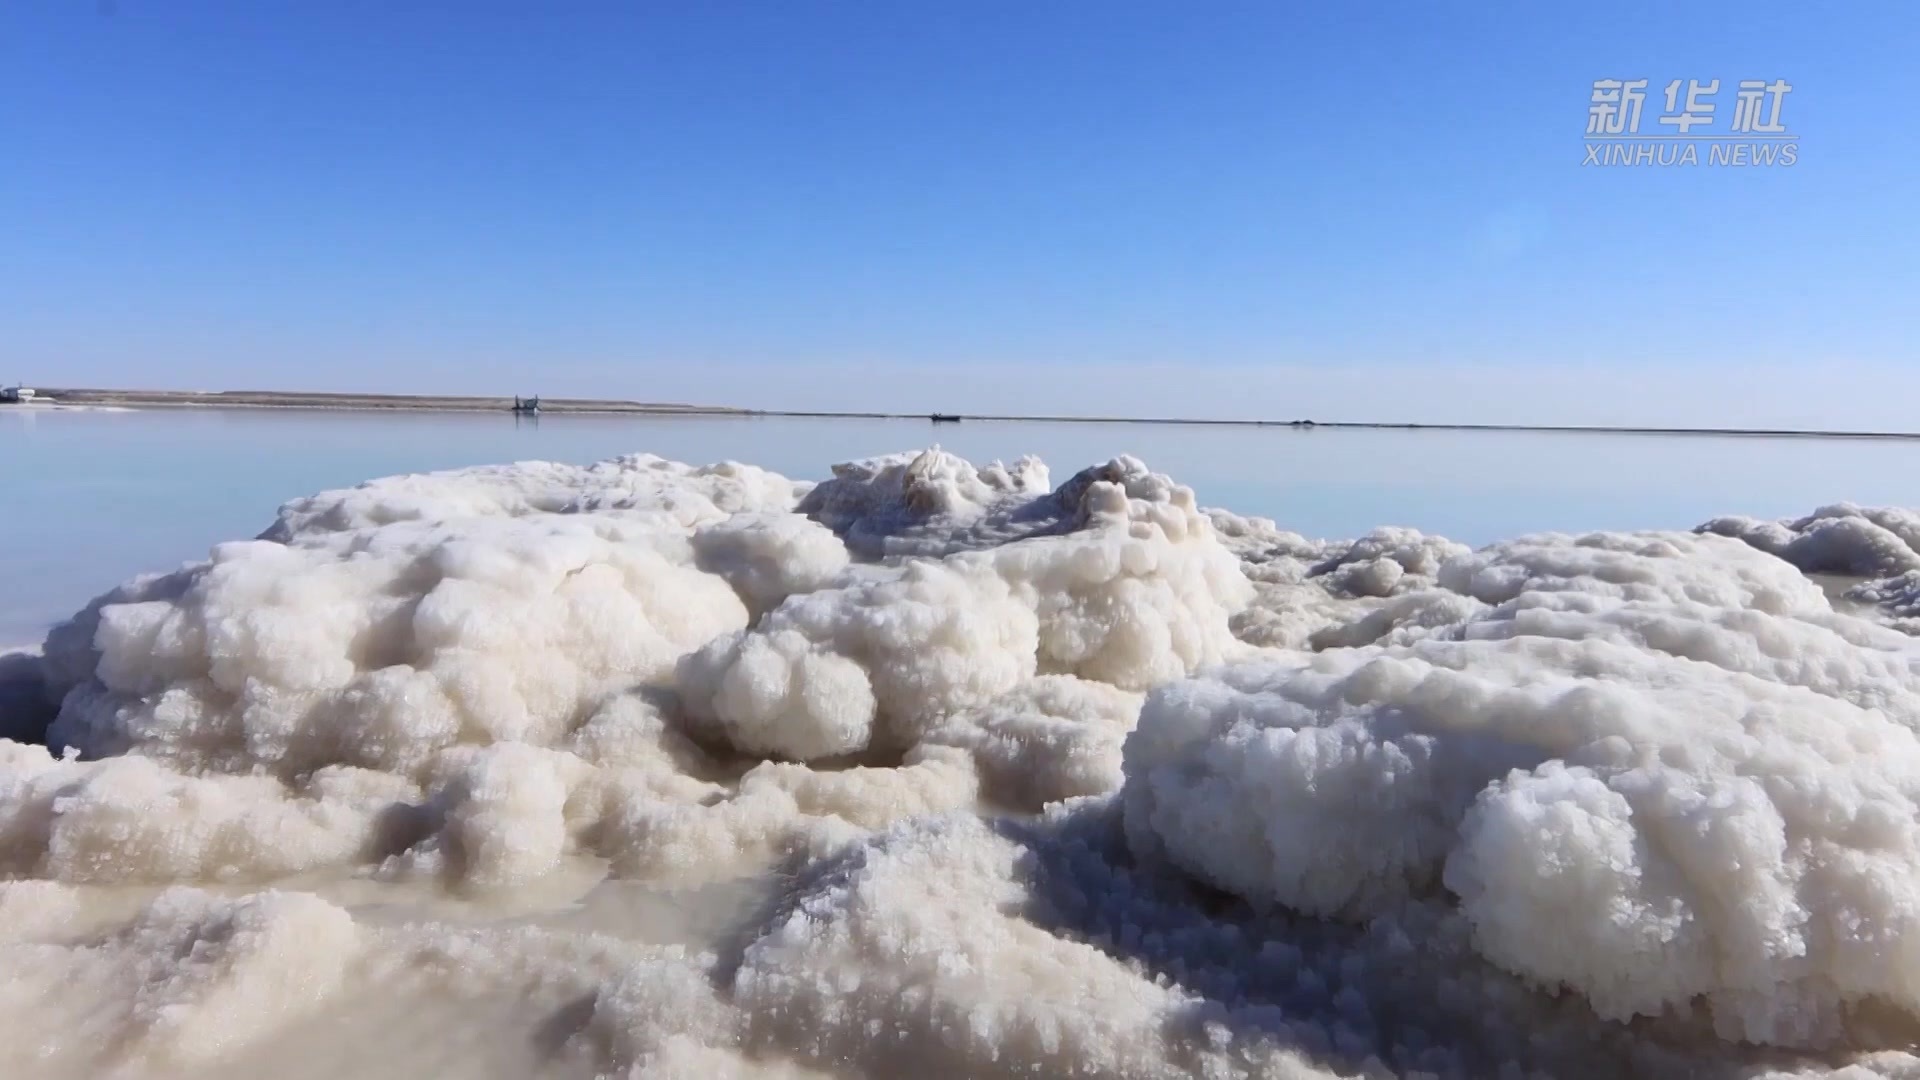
280 399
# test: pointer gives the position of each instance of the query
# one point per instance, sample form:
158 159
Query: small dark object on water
526 405
945 418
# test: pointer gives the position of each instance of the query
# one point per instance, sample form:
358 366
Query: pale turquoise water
93 497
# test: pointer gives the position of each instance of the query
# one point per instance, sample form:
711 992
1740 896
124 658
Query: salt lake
95 497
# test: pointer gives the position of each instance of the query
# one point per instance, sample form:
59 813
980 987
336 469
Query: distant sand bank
282 399
278 399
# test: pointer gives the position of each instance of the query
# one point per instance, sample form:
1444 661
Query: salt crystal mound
974 988
379 646
1115 578
691 495
933 503
476 675
1657 769
1838 539
1879 544
1320 594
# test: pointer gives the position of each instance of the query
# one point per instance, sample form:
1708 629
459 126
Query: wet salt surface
379 1030
381 1027
648 769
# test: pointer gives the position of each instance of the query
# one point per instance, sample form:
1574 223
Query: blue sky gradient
1377 210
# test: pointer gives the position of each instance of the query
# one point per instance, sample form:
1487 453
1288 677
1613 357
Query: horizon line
476 404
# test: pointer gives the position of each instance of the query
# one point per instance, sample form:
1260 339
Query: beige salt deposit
642 769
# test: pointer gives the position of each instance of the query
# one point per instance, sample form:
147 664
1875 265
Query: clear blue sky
1222 209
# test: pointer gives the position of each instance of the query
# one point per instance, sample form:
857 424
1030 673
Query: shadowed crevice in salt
25 711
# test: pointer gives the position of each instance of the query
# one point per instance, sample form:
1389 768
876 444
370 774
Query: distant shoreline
283 399
277 399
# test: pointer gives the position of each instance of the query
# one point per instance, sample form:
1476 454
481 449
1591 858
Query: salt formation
932 503
1881 545
1838 539
651 770
1305 589
1116 578
1897 598
1659 771
543 660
